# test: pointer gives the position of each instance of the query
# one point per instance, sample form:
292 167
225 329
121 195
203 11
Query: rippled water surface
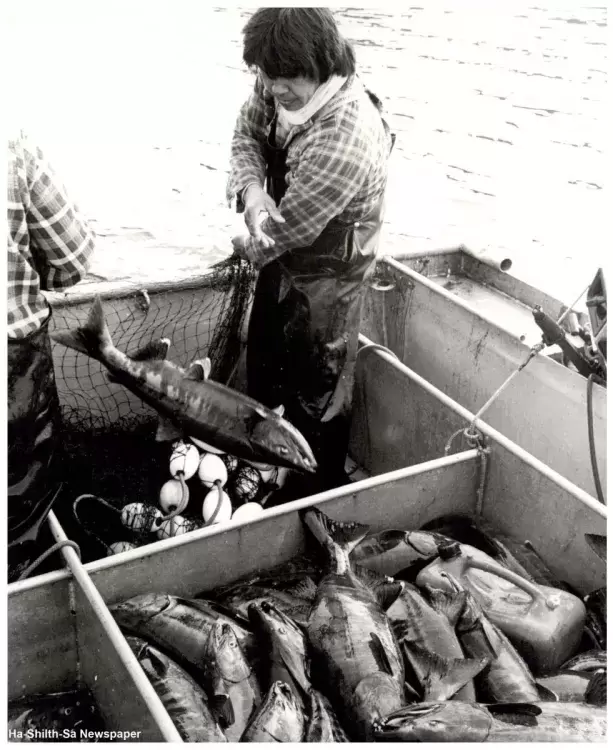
499 110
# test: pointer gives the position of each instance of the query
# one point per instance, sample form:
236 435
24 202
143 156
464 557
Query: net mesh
108 446
200 322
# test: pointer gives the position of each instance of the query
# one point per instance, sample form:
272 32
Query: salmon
424 625
279 719
182 697
290 663
323 723
233 686
295 603
286 645
506 678
587 661
397 553
181 627
453 721
191 404
356 659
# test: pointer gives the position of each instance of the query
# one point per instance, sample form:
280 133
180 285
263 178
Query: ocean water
499 110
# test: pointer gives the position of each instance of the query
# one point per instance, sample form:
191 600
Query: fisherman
310 149
49 245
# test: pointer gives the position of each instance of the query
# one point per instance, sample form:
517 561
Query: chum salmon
356 657
189 403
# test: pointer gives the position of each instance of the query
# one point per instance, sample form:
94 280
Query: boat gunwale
425 281
528 458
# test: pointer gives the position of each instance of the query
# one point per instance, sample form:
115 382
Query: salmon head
227 654
451 721
280 443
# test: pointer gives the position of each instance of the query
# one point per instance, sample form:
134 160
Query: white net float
118 547
184 458
174 496
216 507
140 517
212 470
247 512
175 527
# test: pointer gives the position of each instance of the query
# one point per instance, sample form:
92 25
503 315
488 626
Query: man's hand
256 201
244 247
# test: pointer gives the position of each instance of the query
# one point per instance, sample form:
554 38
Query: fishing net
108 433
203 321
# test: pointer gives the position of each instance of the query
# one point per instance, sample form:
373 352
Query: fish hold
453 721
295 603
356 659
278 719
181 627
184 700
189 403
323 726
588 661
286 644
424 629
232 685
506 679
395 552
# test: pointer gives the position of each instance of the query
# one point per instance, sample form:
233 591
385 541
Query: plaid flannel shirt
49 244
337 165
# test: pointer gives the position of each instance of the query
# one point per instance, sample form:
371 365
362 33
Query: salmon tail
305 589
448 604
446 676
91 338
331 533
598 543
385 589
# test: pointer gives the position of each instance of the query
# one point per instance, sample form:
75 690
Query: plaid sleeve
59 236
331 171
246 157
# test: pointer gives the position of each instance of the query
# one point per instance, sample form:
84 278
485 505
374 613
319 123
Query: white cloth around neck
288 119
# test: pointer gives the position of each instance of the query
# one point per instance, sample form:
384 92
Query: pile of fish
426 635
70 716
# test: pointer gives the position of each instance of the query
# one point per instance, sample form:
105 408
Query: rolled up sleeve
247 164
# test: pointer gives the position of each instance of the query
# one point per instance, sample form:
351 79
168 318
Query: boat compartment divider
108 666
220 554
531 488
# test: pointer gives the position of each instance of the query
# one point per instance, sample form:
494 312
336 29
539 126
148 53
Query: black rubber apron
33 414
304 326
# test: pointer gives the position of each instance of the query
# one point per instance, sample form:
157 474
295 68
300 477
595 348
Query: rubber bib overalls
33 413
304 326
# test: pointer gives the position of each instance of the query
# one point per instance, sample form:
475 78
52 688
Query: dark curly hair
293 42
